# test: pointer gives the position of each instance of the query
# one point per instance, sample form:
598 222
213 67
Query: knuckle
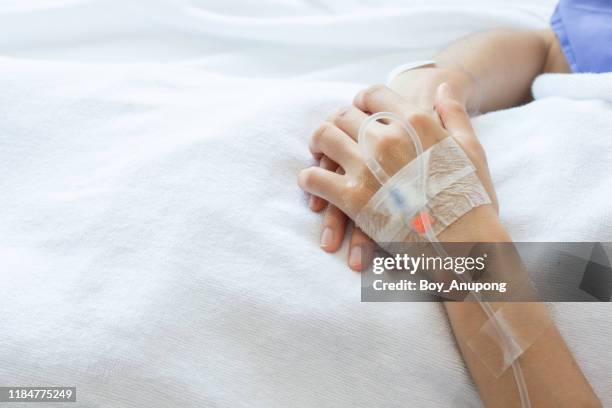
372 92
319 134
375 89
391 129
386 143
340 115
351 193
361 188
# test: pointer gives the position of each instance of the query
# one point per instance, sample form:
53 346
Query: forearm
489 71
552 376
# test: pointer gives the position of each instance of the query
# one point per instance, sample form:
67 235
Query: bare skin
487 71
552 376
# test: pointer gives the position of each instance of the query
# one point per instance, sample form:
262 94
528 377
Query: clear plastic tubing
382 178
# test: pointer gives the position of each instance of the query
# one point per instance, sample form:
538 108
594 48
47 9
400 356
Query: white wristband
407 67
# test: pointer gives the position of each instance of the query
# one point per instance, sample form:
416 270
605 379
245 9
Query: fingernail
327 237
445 90
311 202
355 257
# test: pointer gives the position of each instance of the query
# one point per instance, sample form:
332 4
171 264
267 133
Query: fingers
361 250
427 128
334 224
453 114
336 145
317 204
350 119
322 183
379 98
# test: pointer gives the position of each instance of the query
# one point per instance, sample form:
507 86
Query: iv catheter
402 204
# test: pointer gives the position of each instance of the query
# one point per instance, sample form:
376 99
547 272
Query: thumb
457 122
453 113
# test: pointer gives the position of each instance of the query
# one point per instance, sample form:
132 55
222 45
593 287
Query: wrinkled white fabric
155 249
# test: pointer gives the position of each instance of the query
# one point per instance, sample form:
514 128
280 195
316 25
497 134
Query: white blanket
156 251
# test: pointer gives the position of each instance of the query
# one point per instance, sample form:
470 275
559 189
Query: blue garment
584 29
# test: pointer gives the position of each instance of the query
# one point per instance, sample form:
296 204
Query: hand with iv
450 145
477 68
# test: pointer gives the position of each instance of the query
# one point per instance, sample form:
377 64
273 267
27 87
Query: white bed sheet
154 247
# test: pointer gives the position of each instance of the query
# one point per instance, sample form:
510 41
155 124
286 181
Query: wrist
419 86
481 224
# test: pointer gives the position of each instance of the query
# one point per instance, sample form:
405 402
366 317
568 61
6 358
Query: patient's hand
418 89
335 142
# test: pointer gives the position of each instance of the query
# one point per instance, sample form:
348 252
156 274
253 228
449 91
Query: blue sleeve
584 29
557 26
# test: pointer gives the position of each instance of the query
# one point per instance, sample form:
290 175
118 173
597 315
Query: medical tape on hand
442 181
506 335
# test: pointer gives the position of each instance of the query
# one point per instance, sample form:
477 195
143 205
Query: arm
488 71
553 378
501 64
